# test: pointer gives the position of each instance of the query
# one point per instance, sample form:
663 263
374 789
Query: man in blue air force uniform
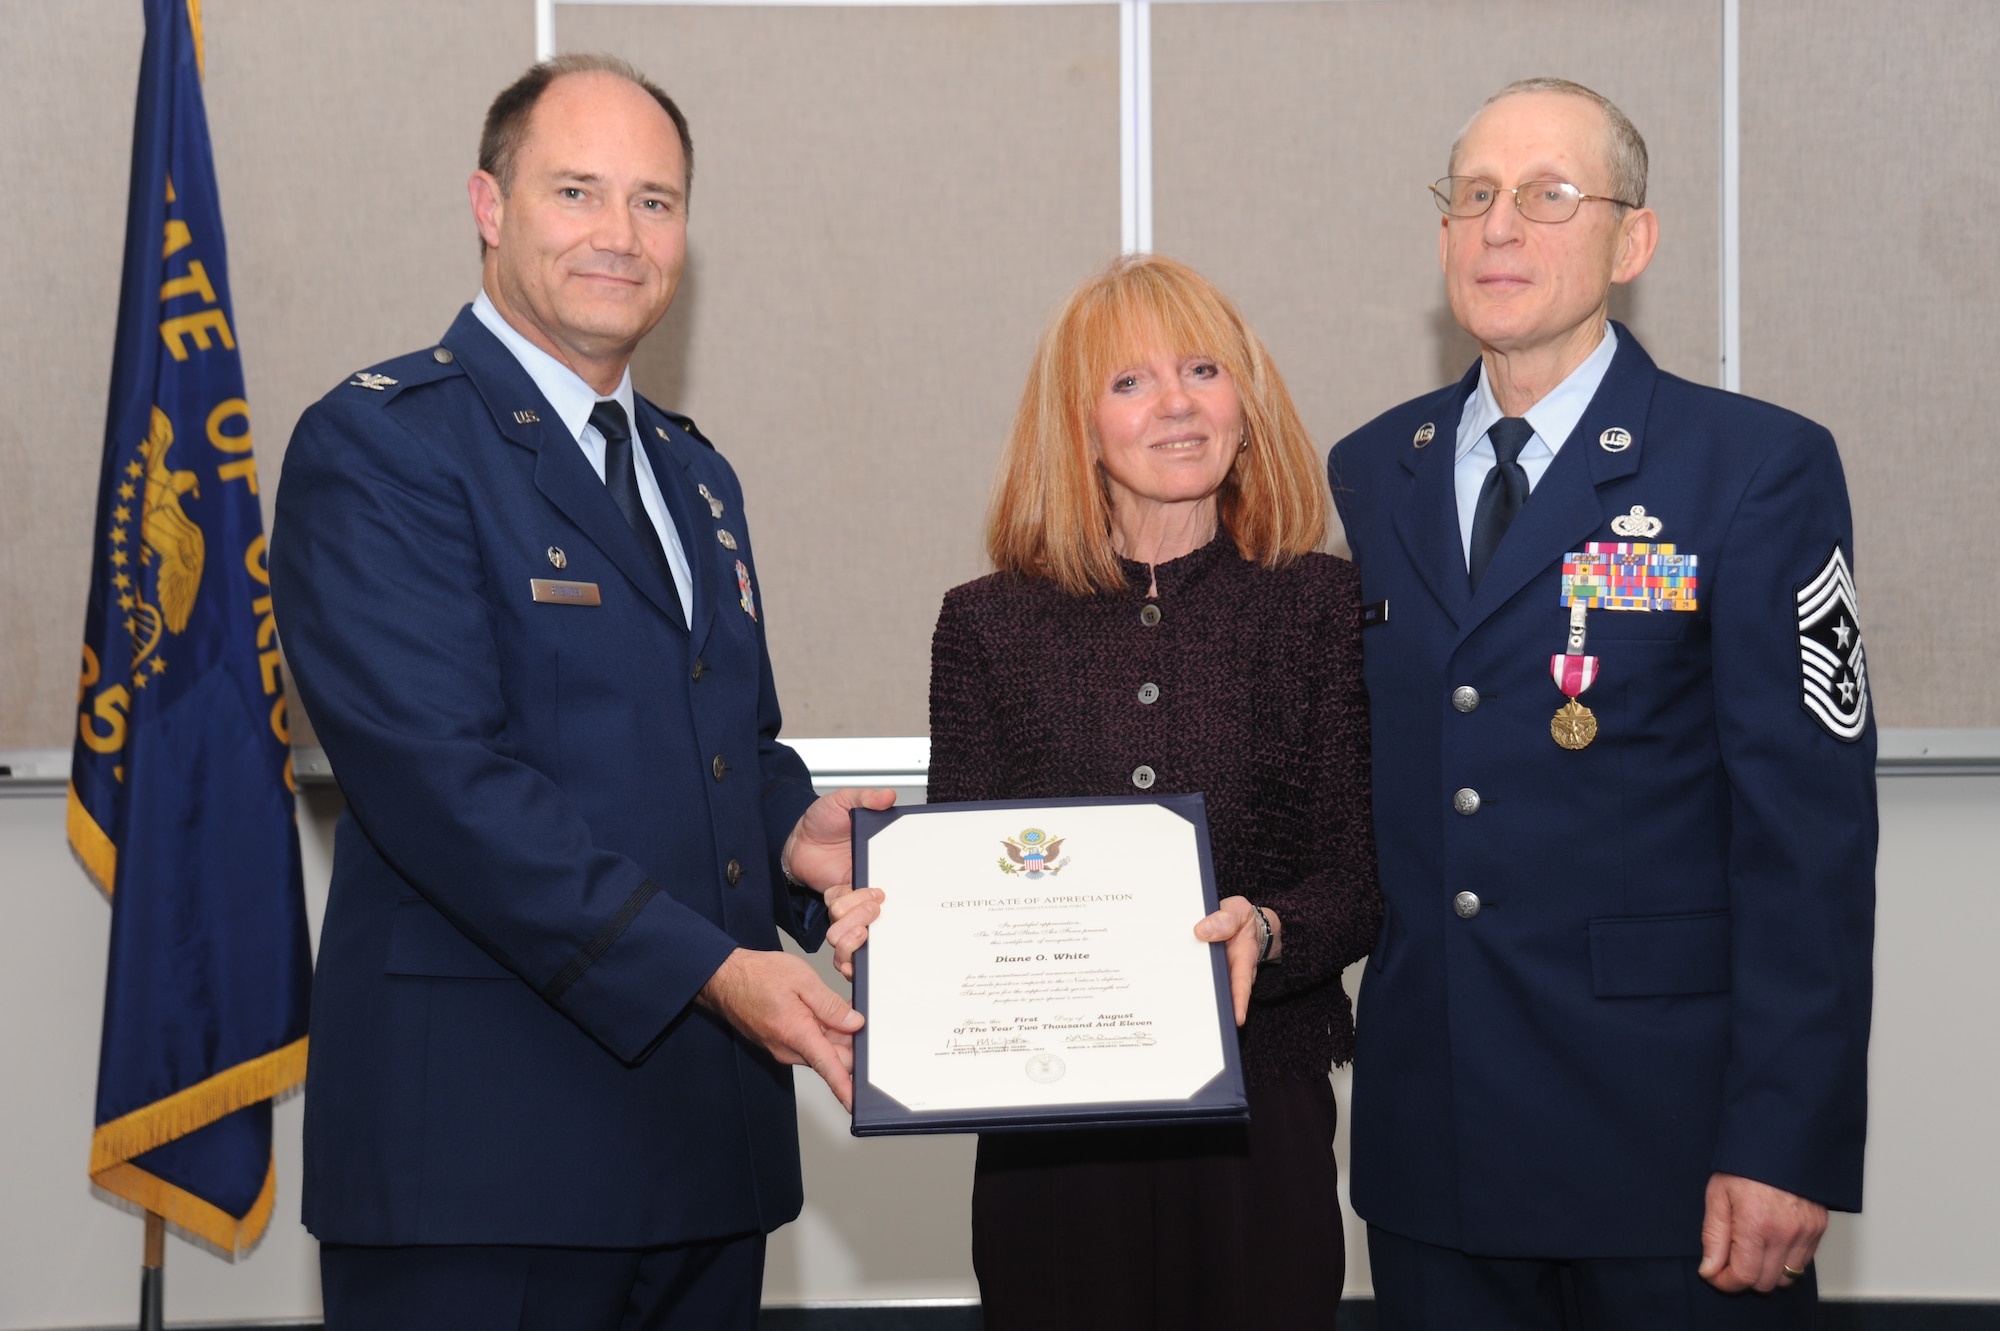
1612 1056
551 1021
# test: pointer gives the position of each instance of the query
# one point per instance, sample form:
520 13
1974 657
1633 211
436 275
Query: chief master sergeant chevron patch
1833 670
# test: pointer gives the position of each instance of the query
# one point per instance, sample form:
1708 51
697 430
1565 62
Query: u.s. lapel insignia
1615 440
714 504
1425 433
1833 668
526 418
722 535
557 557
379 382
745 596
1636 524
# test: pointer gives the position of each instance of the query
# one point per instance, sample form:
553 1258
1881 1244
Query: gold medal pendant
1574 725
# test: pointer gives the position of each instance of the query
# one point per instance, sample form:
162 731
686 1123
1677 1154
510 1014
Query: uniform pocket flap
423 942
1642 956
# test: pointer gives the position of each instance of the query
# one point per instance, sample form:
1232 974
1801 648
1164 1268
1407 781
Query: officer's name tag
1630 575
551 592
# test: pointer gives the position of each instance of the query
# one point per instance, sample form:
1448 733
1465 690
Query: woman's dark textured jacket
1256 701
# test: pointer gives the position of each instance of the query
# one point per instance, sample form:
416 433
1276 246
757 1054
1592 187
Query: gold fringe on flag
116 1143
94 848
194 25
188 1212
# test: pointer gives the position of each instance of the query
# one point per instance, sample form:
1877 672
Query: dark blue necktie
1502 494
622 480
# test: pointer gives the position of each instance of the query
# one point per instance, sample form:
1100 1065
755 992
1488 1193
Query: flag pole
152 1274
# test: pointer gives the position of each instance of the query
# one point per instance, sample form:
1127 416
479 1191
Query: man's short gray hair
1624 149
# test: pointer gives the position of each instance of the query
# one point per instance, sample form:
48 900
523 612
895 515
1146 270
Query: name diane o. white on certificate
1034 956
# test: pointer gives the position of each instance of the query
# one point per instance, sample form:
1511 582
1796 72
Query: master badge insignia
727 540
1833 671
557 557
1033 854
379 382
1636 524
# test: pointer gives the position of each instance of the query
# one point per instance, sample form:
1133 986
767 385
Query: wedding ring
1788 1271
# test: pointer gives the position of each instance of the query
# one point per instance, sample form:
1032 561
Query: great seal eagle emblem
1033 853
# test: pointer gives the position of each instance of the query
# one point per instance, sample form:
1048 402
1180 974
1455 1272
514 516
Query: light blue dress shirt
573 400
1553 418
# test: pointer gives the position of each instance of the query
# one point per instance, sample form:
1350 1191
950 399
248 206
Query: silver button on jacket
1466 801
1465 697
1466 904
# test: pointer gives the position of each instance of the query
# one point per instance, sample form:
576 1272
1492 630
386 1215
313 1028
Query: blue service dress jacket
1666 970
562 815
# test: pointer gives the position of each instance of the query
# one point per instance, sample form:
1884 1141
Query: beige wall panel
1871 302
888 204
1292 144
68 74
343 134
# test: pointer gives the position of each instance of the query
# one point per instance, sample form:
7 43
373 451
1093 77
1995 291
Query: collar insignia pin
1615 440
378 382
526 418
661 431
1425 433
557 557
1637 524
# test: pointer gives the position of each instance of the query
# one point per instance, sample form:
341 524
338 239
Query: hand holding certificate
1035 966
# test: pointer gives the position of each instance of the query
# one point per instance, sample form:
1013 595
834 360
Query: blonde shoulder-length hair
1051 512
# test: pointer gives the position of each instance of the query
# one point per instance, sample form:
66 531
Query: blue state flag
181 795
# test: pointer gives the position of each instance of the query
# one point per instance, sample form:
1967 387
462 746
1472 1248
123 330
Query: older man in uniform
551 1018
1612 1058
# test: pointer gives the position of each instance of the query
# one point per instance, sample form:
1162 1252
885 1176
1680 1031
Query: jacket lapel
1426 516
1564 510
669 451
562 473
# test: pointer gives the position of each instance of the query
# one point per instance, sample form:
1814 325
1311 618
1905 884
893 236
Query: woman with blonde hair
1161 621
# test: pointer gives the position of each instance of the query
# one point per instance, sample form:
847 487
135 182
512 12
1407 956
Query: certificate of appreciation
1035 965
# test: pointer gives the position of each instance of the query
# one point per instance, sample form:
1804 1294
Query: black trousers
1421 1287
1204 1228
713 1286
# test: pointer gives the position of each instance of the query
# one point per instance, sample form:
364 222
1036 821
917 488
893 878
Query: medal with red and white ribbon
1574 725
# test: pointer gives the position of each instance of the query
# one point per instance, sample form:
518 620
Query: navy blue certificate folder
1024 1043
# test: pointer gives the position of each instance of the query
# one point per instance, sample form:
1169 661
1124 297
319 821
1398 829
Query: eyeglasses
1536 200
